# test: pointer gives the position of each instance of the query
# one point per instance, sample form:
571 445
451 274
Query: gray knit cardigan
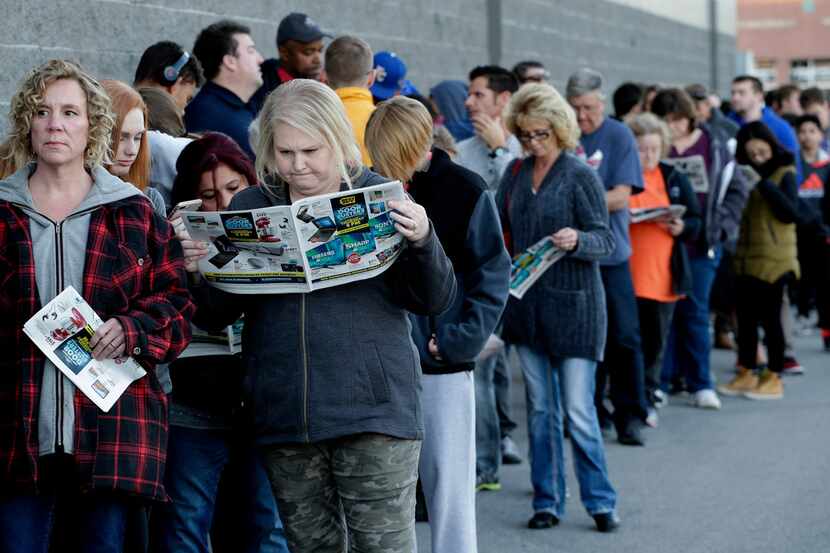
563 314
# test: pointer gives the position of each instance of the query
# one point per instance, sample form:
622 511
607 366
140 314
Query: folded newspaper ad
63 330
203 343
314 243
531 264
694 167
657 214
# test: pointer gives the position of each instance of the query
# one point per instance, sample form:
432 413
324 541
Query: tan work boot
745 381
769 387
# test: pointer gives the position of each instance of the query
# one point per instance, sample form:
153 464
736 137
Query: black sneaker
542 520
606 522
630 433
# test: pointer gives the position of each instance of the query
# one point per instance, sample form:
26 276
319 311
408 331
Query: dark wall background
438 39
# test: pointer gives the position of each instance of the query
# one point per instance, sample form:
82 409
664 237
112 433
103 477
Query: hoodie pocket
369 385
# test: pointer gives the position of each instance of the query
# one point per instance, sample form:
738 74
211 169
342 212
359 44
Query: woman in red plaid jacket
66 221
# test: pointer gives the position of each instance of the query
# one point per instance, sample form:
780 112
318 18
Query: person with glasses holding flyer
559 325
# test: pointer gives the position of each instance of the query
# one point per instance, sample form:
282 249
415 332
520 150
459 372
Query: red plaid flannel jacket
134 271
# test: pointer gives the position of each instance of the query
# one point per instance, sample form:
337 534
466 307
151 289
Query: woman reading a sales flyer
66 221
332 376
559 324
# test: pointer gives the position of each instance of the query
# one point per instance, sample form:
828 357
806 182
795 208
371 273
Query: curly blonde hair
314 108
542 102
29 95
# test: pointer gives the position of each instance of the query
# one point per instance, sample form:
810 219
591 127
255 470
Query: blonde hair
648 123
29 95
125 99
315 109
398 134
541 102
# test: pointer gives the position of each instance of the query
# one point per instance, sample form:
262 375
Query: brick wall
439 39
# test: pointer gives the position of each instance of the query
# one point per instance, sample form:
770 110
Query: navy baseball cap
299 27
390 71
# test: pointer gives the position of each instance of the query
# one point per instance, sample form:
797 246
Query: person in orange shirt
350 72
659 261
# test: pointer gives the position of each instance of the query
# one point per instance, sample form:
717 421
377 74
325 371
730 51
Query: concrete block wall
439 39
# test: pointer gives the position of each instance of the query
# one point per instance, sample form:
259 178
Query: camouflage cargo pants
359 487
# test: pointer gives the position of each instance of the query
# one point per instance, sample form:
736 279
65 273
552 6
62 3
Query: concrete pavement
751 478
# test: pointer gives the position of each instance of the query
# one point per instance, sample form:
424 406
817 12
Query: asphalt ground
753 477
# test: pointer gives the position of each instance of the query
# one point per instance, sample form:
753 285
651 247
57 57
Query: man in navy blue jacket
231 63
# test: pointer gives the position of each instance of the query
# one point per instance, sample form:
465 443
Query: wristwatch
498 151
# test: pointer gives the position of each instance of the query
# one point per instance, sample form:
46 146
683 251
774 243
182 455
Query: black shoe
827 343
630 433
607 522
541 520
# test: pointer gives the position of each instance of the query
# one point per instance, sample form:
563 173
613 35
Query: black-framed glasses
528 137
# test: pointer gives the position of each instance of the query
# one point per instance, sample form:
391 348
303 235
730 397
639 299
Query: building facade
788 41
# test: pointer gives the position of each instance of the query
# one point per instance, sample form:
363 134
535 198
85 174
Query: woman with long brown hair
130 154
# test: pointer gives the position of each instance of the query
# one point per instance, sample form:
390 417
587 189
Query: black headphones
171 72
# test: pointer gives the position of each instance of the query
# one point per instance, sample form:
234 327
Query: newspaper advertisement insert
694 167
531 264
63 330
314 243
657 214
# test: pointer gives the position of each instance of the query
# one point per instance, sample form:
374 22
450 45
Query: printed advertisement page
348 236
204 343
657 214
531 264
63 330
695 170
250 252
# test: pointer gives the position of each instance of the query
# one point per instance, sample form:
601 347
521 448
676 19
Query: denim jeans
503 380
488 434
689 344
550 381
196 459
98 522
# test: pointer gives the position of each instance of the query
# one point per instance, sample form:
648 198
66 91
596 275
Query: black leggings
759 303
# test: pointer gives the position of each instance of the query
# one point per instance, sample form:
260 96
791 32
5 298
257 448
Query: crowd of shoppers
286 445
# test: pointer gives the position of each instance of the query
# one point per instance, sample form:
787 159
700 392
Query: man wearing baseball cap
300 46
390 71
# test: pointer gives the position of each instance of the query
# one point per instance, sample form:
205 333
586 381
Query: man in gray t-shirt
492 147
488 153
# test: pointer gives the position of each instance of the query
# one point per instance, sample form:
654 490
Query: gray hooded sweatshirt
59 250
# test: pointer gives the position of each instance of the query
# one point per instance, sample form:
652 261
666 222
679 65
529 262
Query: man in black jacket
466 222
300 46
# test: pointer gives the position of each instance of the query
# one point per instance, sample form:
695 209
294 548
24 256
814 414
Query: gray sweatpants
448 461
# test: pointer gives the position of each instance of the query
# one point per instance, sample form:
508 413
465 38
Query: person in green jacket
765 260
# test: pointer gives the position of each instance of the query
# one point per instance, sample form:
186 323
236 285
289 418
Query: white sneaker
706 399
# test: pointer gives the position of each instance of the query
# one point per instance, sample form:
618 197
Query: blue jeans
689 344
196 459
488 434
26 522
545 379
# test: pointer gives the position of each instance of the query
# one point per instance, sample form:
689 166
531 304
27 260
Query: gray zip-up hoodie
59 251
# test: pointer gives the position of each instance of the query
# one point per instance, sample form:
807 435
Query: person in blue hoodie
399 139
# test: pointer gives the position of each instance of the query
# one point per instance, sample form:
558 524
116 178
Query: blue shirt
215 108
612 151
782 131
